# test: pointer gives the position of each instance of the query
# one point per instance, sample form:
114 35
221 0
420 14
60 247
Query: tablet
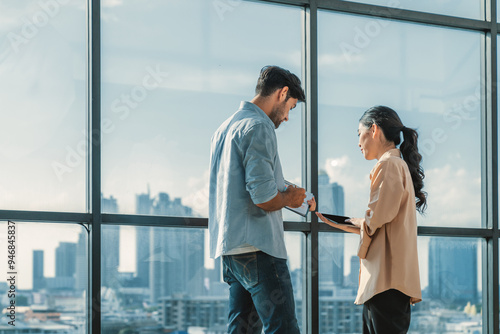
302 210
337 219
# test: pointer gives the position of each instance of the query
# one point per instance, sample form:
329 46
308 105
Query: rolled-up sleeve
386 192
259 149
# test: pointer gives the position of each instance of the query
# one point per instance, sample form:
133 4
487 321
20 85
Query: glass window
450 275
171 79
338 283
431 77
162 278
43 98
498 12
472 9
48 275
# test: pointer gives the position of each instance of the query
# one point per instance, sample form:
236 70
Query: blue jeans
260 294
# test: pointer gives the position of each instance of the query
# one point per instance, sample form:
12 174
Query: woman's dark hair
391 125
274 77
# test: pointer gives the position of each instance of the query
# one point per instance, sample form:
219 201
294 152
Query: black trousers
387 313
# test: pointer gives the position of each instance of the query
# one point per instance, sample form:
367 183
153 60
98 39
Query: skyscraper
331 261
81 279
144 206
176 255
38 277
453 271
110 246
353 280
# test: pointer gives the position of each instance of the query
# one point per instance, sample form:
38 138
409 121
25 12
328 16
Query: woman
389 278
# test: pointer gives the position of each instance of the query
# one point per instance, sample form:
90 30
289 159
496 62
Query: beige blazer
388 239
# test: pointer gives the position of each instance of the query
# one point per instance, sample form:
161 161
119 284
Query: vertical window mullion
490 173
311 78
94 145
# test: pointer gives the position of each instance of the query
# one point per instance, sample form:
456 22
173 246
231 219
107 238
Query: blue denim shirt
245 170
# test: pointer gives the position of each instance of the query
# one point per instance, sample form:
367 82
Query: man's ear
282 93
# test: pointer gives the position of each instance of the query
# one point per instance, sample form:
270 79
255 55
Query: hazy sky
169 80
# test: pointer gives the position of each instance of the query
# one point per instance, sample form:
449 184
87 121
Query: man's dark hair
274 77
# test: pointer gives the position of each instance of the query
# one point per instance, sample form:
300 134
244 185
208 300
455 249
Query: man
247 193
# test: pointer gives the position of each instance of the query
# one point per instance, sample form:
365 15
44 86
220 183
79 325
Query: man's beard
277 114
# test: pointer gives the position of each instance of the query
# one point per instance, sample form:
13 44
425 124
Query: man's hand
294 196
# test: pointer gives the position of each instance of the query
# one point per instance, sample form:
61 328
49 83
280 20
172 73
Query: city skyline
179 281
131 236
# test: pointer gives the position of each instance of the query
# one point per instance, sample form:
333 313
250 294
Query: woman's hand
312 204
356 221
347 228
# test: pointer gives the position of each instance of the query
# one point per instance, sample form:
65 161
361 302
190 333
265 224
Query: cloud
37 91
332 164
454 194
154 161
198 198
146 163
355 181
454 197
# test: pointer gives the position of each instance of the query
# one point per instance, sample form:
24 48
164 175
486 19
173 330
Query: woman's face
366 142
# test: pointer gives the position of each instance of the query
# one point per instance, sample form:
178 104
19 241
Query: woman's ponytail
409 150
391 125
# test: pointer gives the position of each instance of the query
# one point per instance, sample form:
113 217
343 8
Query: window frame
489 232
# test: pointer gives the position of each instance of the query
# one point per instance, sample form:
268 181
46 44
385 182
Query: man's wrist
285 198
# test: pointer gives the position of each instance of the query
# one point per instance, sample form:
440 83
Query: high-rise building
109 205
110 246
331 261
144 206
38 277
213 281
453 271
66 259
176 255
331 195
81 279
181 311
340 315
353 278
297 278
168 260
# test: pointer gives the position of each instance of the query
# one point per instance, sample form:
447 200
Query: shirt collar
393 152
250 106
